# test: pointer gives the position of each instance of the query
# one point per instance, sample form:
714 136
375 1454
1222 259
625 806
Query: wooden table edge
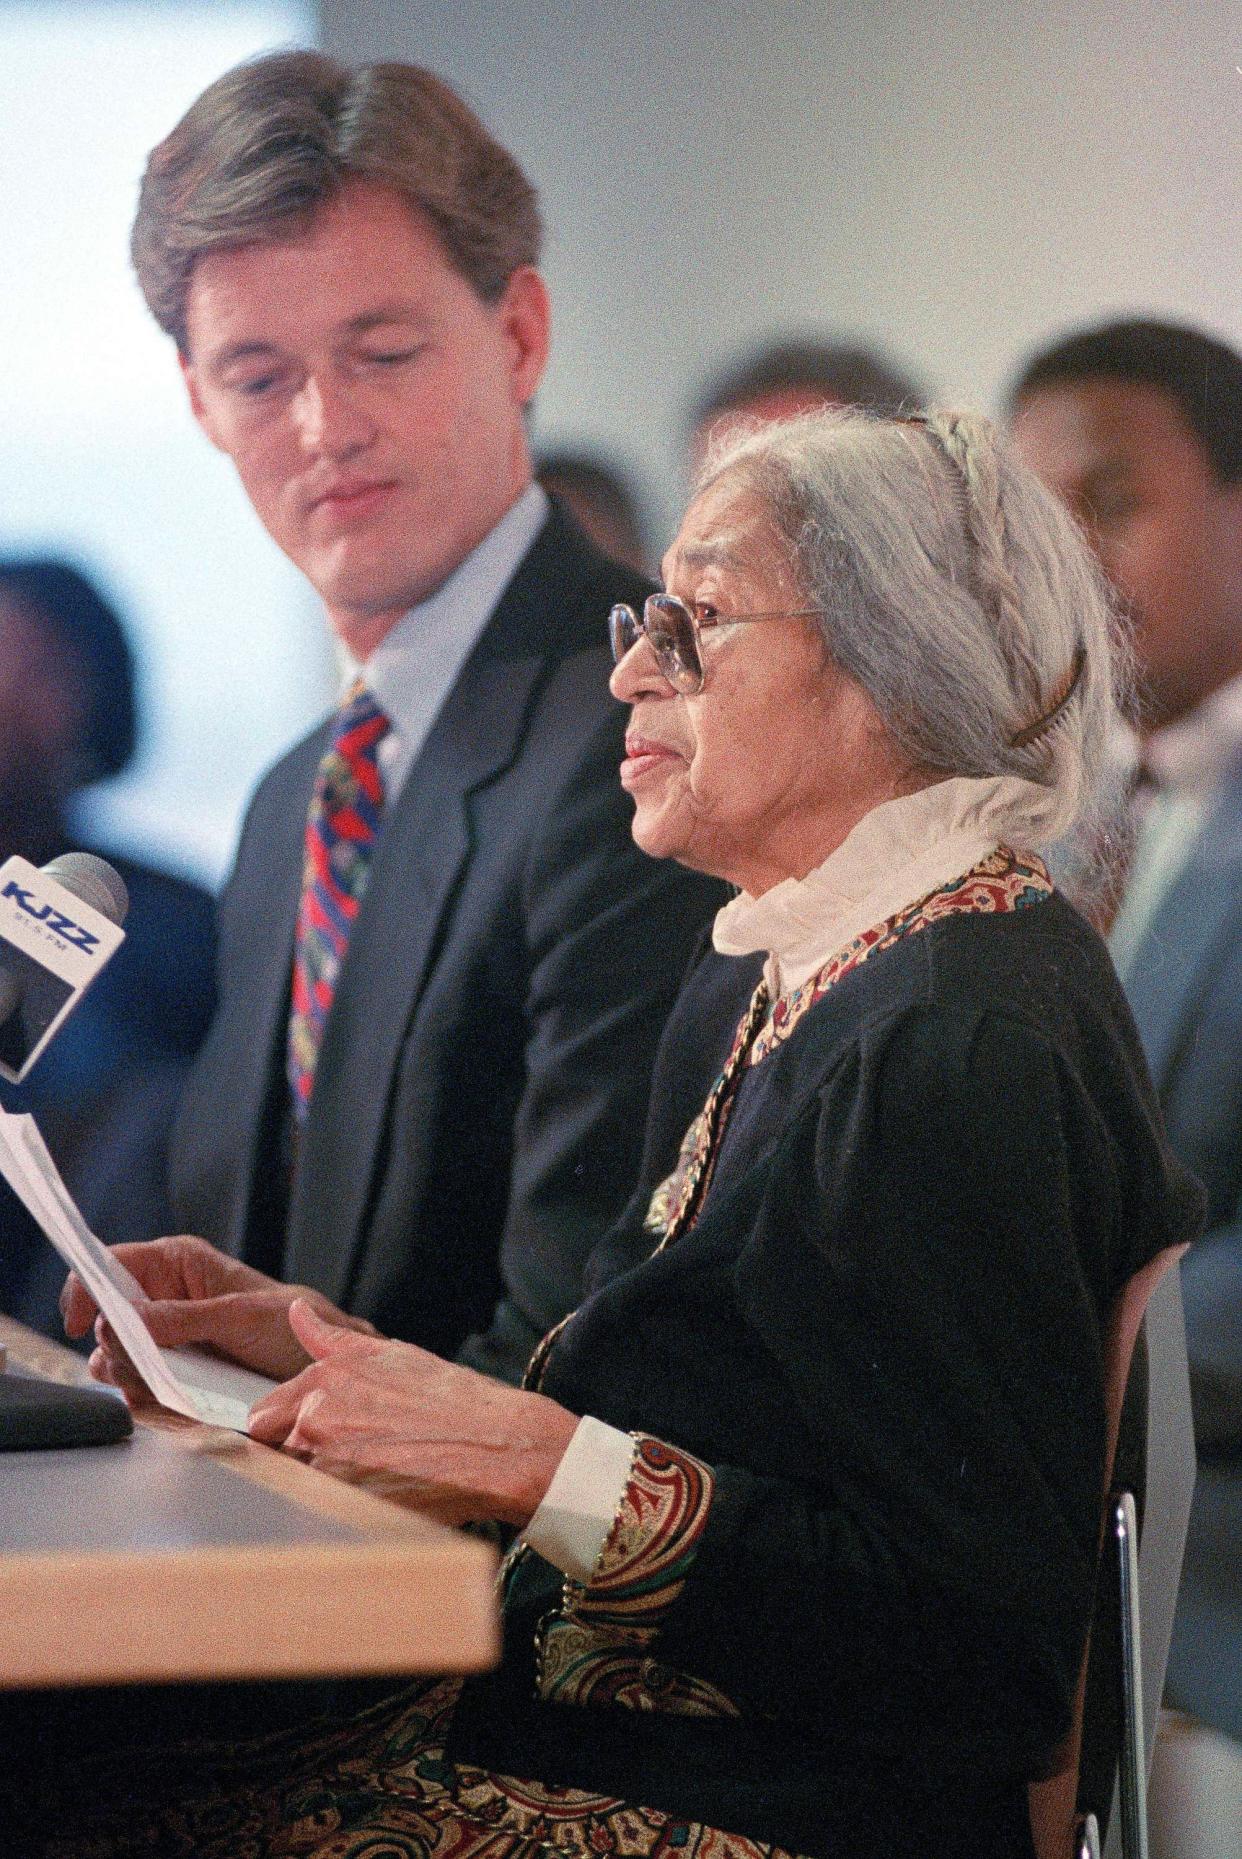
180 1614
285 1611
328 1497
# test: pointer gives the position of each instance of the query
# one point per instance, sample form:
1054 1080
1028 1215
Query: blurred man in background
790 376
602 501
105 1090
1138 426
444 963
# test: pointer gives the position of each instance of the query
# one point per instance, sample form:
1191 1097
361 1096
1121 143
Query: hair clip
1025 737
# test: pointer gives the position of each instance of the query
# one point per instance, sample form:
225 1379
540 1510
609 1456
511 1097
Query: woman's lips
643 758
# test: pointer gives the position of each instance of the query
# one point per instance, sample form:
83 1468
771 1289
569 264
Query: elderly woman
806 1493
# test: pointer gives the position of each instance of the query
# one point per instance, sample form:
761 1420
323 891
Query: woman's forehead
725 527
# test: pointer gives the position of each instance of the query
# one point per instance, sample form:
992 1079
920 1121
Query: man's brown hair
270 143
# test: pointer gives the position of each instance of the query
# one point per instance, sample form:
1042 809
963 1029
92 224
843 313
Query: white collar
899 852
461 606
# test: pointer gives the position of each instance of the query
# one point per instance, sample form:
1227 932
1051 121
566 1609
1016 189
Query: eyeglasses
673 632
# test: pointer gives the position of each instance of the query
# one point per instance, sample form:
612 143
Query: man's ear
197 406
525 314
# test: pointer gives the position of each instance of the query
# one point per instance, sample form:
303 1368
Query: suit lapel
263 1008
419 865
1175 957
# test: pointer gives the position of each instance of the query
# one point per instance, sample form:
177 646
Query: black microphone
59 927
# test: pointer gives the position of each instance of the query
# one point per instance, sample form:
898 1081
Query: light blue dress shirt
414 667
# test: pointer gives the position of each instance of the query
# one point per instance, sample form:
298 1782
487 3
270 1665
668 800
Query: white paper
188 1380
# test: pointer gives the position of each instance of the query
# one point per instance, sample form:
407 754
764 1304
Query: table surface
192 1553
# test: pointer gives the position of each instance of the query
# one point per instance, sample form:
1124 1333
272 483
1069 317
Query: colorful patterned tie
344 817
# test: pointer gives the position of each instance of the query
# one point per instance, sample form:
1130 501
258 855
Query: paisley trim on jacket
999 883
597 1649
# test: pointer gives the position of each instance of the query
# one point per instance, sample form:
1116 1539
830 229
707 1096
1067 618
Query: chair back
1053 1801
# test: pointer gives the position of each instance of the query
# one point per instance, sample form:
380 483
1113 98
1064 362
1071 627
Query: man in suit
444 964
1139 426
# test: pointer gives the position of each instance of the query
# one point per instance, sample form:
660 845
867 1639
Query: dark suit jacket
884 1335
482 1086
1185 987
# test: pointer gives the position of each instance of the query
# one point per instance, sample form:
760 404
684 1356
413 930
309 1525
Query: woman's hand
429 1433
199 1295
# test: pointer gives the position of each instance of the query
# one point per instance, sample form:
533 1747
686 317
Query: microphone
59 928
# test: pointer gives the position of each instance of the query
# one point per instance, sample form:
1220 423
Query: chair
1151 1301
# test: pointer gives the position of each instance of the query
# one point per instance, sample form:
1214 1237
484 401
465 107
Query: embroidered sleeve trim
597 1648
648 1552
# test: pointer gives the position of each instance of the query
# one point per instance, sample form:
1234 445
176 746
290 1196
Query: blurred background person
794 375
603 502
1138 426
105 1090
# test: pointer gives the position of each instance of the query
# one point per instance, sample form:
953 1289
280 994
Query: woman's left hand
429 1433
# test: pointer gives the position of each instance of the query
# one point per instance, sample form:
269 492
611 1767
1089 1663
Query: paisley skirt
376 1787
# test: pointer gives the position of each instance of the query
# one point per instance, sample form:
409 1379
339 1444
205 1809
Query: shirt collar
435 638
899 852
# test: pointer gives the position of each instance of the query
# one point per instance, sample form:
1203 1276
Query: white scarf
899 852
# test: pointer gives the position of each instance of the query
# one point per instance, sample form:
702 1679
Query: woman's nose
638 674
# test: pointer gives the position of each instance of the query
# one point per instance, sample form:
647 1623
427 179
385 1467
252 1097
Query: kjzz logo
54 920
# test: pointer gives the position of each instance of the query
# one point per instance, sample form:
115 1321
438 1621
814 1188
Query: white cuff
579 1507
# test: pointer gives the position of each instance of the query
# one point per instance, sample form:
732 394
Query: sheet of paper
188 1380
103 1277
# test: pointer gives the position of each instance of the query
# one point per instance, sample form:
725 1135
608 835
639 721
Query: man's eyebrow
378 318
232 352
1108 465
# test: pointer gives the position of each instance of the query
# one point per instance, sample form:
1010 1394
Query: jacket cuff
648 1552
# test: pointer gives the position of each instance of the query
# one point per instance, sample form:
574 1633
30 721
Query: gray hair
272 142
957 592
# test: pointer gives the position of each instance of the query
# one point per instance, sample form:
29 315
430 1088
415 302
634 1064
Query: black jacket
884 1334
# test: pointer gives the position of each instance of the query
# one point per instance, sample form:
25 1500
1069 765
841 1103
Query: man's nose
331 418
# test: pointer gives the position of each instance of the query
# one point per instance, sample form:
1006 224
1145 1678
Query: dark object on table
37 1414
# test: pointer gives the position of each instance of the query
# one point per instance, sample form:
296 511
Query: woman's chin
655 834
663 836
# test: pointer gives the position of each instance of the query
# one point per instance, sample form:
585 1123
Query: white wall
99 456
956 180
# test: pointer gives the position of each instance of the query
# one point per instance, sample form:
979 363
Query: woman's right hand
199 1295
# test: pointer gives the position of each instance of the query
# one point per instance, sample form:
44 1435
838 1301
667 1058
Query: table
191 1553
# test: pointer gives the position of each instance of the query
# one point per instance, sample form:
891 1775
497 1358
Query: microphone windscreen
94 881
